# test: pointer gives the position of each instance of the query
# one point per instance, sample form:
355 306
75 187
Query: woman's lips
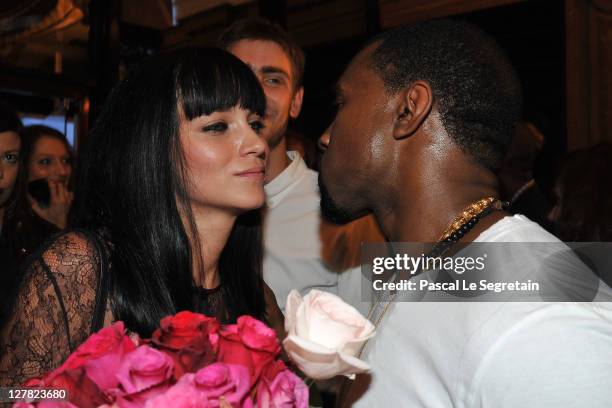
258 172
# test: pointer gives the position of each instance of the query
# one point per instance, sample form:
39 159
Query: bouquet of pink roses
190 361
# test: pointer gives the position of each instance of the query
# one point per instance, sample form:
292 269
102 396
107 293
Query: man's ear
413 107
296 103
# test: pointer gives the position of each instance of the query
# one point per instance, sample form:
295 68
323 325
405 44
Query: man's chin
330 210
275 134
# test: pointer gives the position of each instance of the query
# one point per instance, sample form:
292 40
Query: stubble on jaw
330 209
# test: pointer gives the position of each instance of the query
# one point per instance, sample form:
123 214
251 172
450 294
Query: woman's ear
414 106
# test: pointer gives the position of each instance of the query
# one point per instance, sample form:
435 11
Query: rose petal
144 368
319 363
301 343
294 300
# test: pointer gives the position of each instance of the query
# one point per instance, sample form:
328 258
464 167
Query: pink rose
191 339
144 368
144 374
284 390
45 404
248 343
100 355
55 404
325 335
217 385
222 380
180 395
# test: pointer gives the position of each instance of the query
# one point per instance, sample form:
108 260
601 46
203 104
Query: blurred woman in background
48 156
583 210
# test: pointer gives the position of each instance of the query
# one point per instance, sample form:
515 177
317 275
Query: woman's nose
61 169
255 145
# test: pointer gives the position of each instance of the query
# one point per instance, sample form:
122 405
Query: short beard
330 210
274 140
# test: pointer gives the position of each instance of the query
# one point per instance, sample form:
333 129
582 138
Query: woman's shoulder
54 307
70 255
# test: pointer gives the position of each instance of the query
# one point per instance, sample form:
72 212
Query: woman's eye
257 126
338 104
45 162
67 161
11 158
215 127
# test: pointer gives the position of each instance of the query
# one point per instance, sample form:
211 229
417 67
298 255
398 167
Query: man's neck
277 161
422 212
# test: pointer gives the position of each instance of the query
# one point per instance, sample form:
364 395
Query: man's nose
324 139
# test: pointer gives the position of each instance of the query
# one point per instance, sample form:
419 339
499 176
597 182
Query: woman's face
226 160
10 145
50 160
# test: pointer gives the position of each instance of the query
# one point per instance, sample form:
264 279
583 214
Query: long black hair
132 185
9 261
10 122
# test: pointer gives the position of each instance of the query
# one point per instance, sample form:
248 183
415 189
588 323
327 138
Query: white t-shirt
292 246
492 354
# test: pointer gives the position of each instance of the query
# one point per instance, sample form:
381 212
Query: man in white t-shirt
299 246
425 114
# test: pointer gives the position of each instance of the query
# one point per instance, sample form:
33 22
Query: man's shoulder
542 350
516 228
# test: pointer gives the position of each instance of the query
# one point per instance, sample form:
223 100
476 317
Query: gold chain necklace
458 227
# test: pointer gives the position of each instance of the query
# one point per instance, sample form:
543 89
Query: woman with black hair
10 174
166 215
10 149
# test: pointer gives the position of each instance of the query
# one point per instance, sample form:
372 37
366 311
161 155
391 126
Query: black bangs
212 80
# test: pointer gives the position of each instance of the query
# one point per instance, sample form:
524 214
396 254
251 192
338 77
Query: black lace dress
58 306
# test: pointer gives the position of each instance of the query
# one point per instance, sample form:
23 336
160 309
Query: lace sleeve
53 310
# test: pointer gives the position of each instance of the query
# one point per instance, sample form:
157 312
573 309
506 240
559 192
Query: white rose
325 334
